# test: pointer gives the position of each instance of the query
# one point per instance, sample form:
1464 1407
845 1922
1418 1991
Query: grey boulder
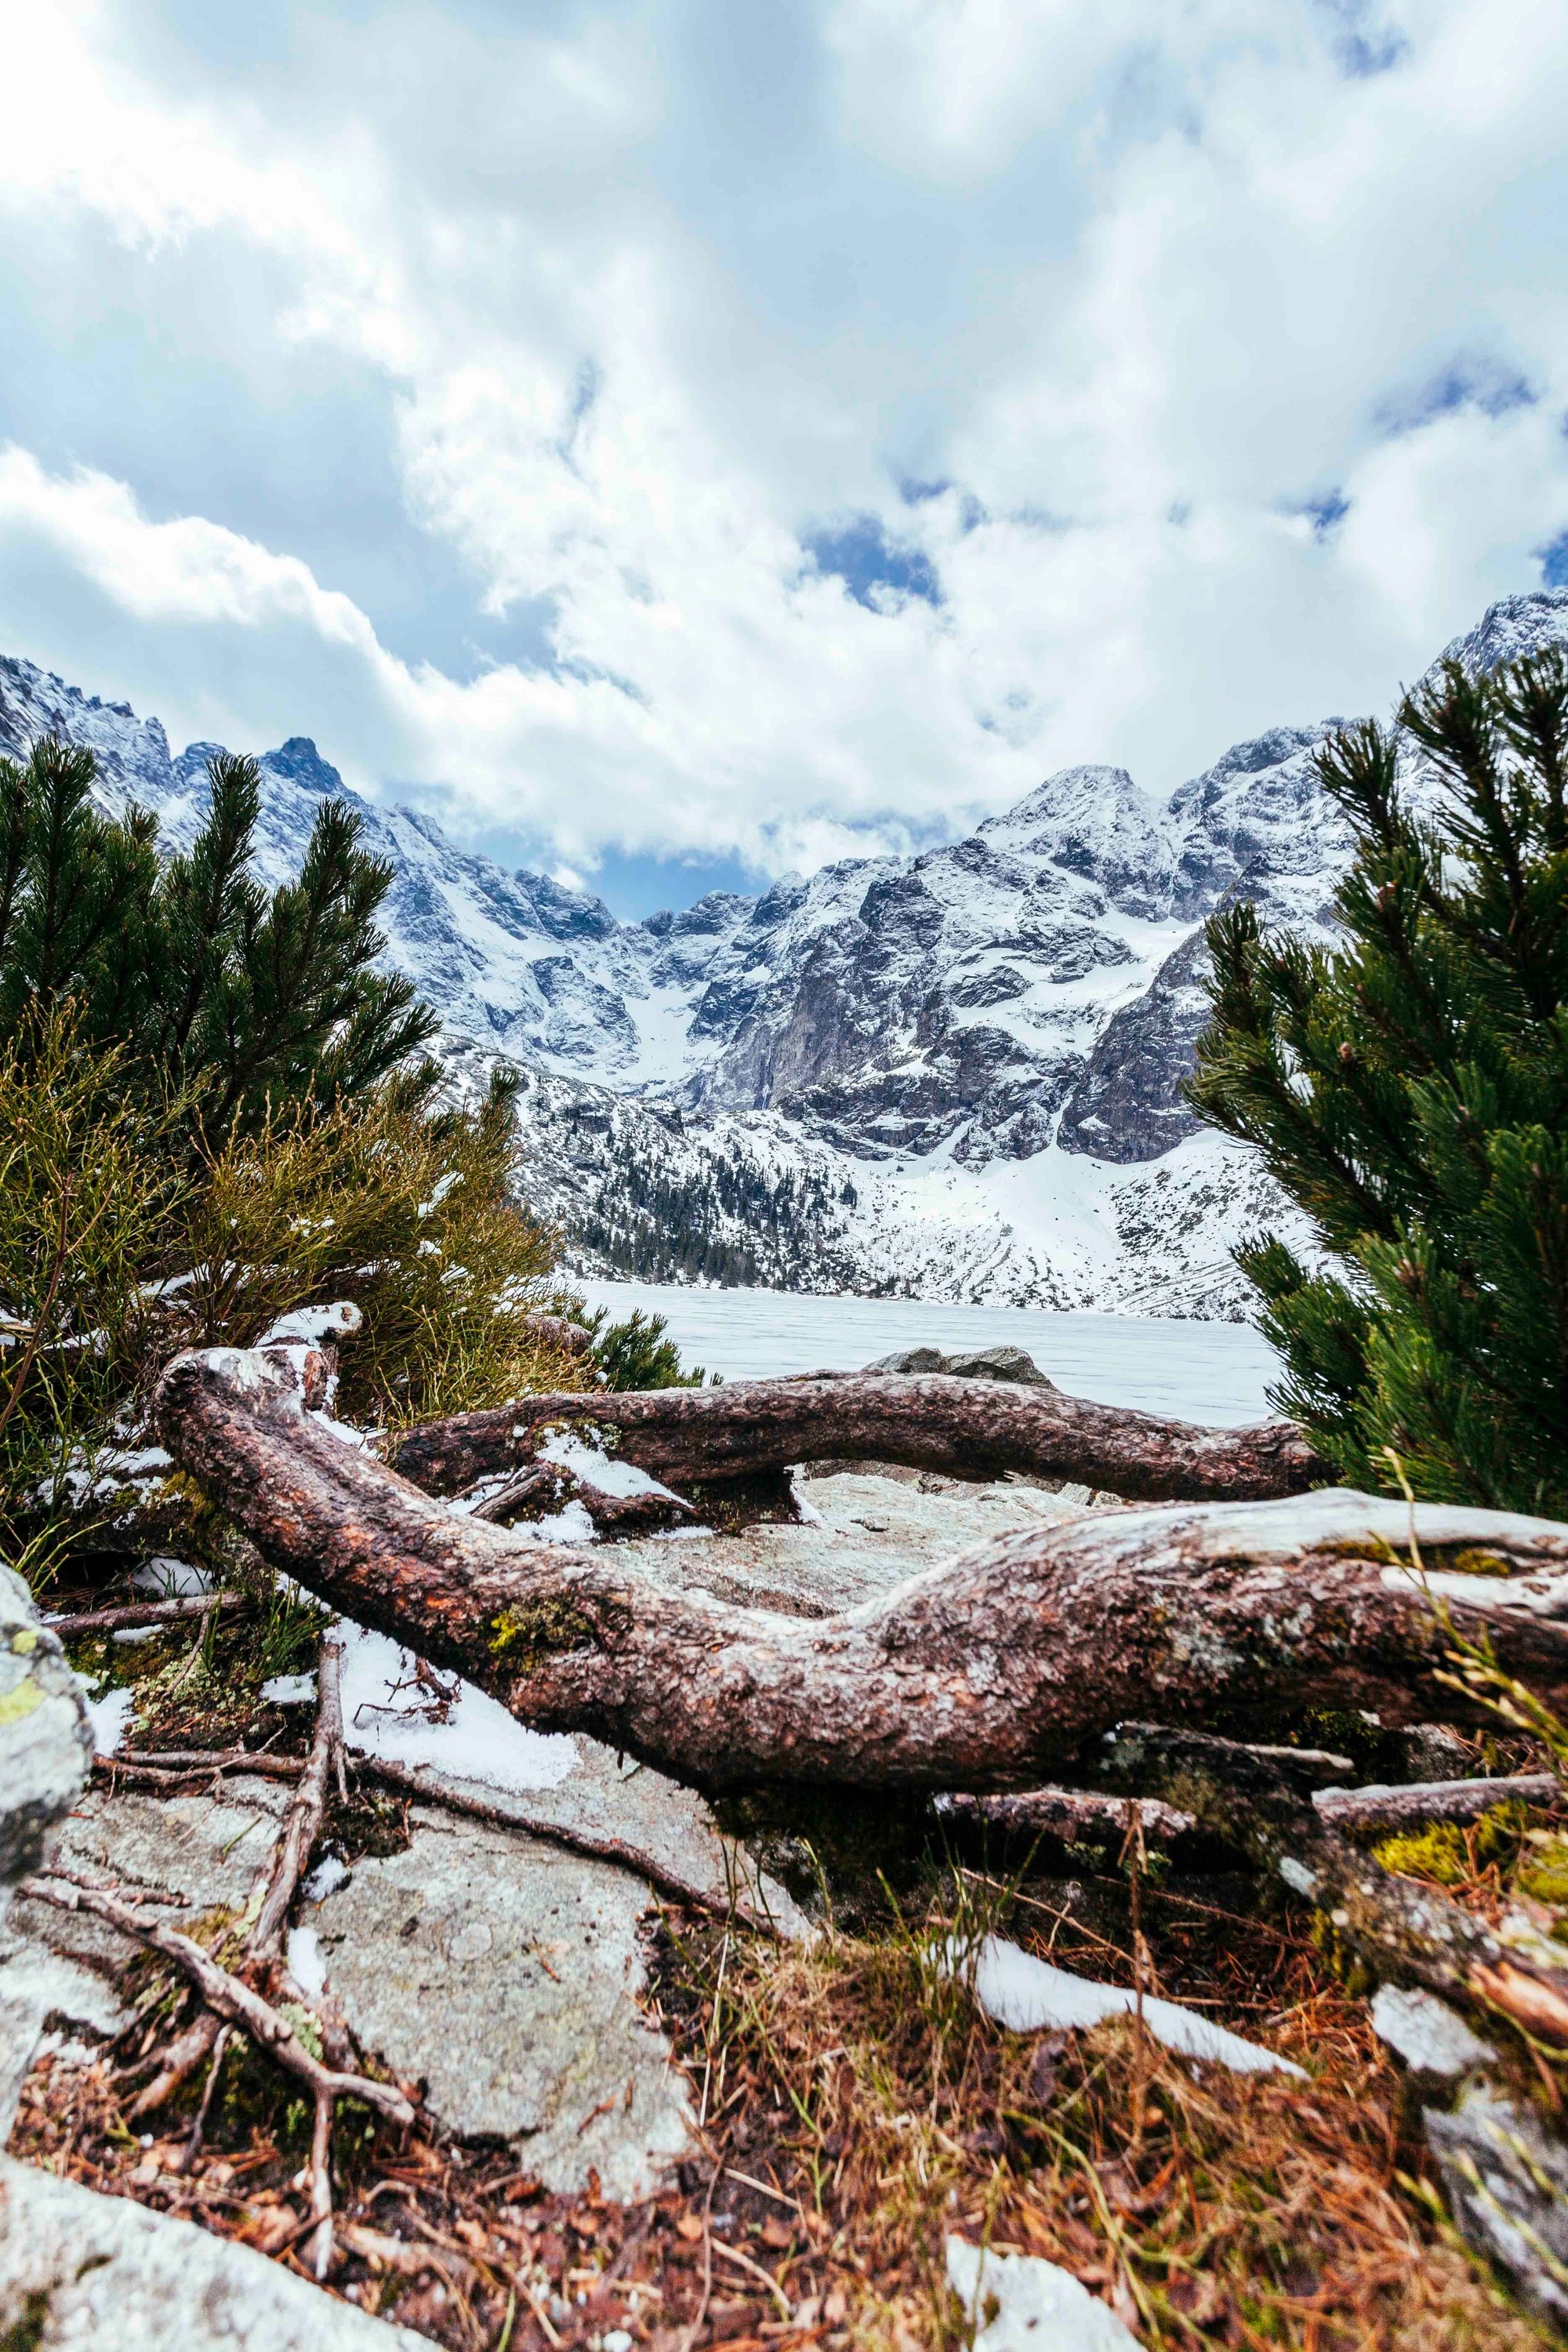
999 1363
79 2271
46 1754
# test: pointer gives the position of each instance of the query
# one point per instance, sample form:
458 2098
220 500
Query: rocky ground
832 2074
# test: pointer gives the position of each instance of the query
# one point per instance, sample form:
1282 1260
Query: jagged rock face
1128 1104
1033 989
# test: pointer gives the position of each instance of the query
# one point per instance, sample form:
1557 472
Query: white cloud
655 294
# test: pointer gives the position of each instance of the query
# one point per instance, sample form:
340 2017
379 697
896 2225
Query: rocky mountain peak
1012 1009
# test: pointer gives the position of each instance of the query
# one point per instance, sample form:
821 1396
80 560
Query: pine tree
244 997
1409 1090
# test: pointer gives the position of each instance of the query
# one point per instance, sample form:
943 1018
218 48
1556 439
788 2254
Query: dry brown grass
854 2108
1204 2207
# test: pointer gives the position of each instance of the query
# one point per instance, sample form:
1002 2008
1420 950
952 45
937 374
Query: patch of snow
1026 1994
310 1325
111 1718
290 1690
1038 2306
358 1438
132 1634
810 1516
172 1578
598 1469
329 1873
1430 2037
66 2053
443 1184
453 1726
570 1525
306 1964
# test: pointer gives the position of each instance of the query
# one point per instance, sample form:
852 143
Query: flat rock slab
503 1972
81 2272
209 1850
609 1796
868 1534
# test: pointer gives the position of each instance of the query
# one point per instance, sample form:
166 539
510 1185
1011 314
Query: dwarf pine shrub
1409 1090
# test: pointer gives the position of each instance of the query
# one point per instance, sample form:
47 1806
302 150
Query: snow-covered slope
956 1075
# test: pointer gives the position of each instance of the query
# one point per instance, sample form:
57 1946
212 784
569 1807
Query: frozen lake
1213 1372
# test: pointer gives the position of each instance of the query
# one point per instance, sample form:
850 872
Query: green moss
526 1632
1471 1562
1446 1854
1543 1873
16 1704
307 2028
26 2333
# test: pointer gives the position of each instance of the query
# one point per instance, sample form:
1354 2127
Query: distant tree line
729 1222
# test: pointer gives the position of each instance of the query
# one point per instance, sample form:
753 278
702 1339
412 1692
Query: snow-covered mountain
956 1075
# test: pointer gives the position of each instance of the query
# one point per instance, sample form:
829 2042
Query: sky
674 443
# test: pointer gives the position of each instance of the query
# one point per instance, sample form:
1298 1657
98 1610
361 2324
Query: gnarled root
988 1671
964 1428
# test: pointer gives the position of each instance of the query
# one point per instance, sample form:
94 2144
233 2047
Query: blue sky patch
871 566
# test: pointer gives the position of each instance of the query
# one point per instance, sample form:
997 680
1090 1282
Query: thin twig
277 1889
146 1612
192 2146
695 2329
320 2253
232 1999
733 2254
308 1808
179 1769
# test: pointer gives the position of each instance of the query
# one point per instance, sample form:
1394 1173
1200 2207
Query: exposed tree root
1375 1808
966 1429
989 1671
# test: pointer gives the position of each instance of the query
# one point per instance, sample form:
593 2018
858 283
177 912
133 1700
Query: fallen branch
546 1487
1404 1930
989 1671
1071 1814
179 1767
308 1809
122 1618
274 1887
1388 1810
965 1428
1410 1932
230 1997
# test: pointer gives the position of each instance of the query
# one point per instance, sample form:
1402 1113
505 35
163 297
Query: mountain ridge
956 1072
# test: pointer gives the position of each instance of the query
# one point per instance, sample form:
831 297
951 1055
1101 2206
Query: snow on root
1027 1994
412 1714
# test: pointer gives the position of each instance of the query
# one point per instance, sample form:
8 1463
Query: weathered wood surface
964 1428
990 1671
1417 1803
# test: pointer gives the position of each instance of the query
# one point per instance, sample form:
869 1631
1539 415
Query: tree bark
965 1429
988 1671
1418 1803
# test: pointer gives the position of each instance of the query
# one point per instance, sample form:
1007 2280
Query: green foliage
209 981
213 1111
89 1191
636 1354
1410 1090
405 1212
